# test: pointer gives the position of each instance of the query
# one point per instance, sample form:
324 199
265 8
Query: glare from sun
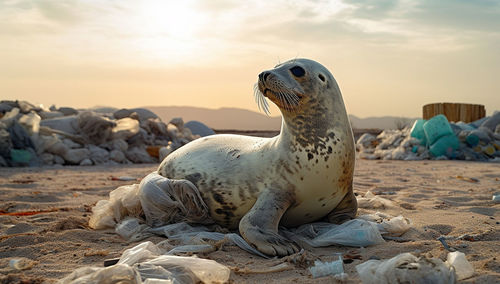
168 29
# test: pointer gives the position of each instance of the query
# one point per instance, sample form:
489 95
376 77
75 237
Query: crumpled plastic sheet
147 263
406 268
164 201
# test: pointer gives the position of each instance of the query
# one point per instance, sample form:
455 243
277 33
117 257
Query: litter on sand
321 269
147 263
177 205
408 268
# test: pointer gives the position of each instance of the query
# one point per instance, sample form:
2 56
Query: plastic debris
21 263
469 179
169 205
356 233
406 268
388 225
496 198
322 269
166 201
276 268
123 178
119 273
442 239
437 139
463 268
67 136
146 263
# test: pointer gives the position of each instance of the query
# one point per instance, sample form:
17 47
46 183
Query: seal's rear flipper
165 201
345 211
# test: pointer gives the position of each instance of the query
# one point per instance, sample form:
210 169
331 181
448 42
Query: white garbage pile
437 139
36 136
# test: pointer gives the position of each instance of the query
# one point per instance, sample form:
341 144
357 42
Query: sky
389 57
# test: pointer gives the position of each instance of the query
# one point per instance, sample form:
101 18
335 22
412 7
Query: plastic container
20 156
436 128
321 269
472 139
463 268
445 146
417 131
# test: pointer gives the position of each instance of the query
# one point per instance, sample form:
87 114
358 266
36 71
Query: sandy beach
448 198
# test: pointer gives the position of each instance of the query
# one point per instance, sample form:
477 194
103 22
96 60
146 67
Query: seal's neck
312 128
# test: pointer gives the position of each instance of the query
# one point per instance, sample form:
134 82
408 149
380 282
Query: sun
176 19
167 29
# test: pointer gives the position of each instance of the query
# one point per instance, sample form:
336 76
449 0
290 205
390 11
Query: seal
302 175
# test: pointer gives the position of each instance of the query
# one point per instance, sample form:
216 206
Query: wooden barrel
455 112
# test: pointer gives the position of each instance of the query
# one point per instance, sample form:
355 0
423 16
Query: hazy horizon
389 57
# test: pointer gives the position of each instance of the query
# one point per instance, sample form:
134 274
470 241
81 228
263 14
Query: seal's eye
298 71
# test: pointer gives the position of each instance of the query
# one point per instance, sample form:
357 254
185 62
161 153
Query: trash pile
36 136
436 139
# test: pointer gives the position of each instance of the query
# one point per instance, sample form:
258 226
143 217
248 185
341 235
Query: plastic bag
122 202
119 273
406 268
199 235
463 268
149 256
140 253
356 233
388 225
167 201
131 230
95 127
208 271
125 128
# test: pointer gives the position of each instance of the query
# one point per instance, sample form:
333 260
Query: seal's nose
263 76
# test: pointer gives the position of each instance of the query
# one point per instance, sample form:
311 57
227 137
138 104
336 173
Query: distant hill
223 118
383 122
242 119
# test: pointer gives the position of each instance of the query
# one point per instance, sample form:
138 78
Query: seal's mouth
284 99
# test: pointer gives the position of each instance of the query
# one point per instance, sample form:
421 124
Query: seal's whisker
283 102
260 99
293 98
284 99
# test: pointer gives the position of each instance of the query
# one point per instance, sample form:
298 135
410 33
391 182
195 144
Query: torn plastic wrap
355 233
146 263
406 268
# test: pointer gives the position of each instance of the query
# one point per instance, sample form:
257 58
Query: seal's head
296 86
309 100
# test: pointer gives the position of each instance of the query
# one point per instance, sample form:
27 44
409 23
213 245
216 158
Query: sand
440 198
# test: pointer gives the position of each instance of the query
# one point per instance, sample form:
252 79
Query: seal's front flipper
259 226
345 211
165 201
